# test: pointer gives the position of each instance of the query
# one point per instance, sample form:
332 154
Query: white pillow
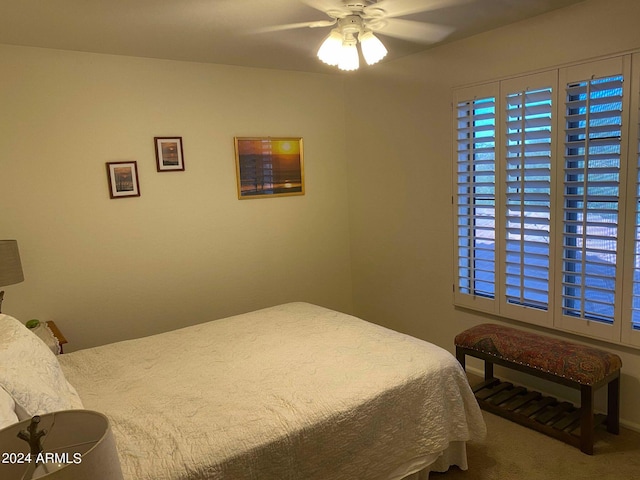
7 410
31 374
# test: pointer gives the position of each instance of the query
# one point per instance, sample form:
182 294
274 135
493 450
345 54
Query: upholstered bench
582 367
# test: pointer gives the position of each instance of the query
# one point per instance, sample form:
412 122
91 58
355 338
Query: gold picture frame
269 167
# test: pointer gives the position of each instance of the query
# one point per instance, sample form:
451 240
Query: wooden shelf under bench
556 418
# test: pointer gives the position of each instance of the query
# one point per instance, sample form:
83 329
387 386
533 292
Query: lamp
329 51
10 266
348 59
75 445
340 46
372 48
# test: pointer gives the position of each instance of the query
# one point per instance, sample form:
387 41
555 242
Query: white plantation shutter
528 120
547 198
476 197
635 305
631 330
592 217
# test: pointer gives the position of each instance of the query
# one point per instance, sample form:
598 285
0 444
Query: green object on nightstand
33 323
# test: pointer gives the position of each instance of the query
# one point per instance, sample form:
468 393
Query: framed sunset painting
269 166
169 157
123 179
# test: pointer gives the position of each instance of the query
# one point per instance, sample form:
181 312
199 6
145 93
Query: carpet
514 452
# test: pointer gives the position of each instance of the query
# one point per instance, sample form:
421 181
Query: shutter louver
476 196
528 197
593 131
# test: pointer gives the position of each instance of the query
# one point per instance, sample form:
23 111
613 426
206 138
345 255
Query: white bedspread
290 392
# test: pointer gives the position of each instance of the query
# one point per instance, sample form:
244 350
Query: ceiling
226 31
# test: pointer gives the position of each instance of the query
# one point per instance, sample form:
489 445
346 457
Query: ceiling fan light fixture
349 59
330 50
373 50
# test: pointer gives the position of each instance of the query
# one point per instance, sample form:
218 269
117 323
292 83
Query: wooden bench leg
488 366
488 370
587 422
460 356
613 406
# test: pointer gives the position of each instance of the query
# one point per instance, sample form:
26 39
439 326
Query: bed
295 391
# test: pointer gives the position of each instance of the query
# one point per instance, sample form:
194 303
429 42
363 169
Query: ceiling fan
355 21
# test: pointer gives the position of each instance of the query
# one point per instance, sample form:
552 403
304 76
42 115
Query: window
631 316
635 305
593 133
527 163
541 181
476 198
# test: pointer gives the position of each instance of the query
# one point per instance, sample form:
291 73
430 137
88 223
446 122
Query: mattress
295 391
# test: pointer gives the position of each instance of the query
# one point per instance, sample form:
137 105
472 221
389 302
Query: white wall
187 250
399 154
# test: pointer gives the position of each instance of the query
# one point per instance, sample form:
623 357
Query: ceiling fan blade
399 8
291 26
327 6
414 31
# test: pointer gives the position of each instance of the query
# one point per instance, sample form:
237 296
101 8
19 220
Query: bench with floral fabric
574 365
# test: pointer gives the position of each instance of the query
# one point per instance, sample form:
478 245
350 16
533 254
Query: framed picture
123 179
269 167
169 154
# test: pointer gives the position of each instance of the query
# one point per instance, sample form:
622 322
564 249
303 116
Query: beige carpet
514 452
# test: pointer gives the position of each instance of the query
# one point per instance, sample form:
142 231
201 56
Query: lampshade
340 47
349 59
329 51
78 445
372 48
10 266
